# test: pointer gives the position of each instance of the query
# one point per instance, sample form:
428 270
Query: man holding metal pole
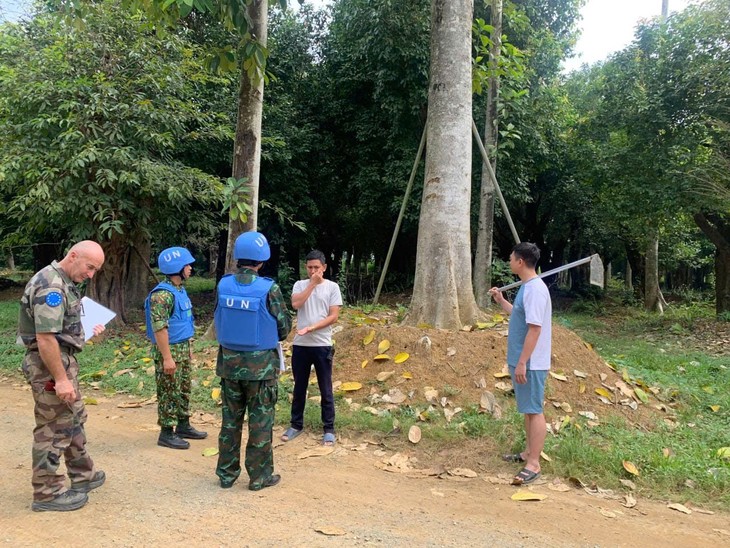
528 354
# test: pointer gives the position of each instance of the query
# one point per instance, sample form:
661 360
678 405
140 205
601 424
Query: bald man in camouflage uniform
249 377
50 328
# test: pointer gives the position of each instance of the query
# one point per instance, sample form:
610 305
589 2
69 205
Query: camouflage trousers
59 430
173 393
259 398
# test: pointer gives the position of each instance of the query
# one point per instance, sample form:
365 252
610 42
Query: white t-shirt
314 309
532 306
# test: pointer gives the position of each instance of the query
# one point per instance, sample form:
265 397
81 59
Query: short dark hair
528 252
315 255
247 262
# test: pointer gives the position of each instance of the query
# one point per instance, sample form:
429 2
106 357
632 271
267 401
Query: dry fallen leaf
629 501
724 453
431 395
628 483
501 375
679 508
576 482
369 338
580 374
381 357
463 472
350 386
557 485
545 457
414 434
558 376
210 451
320 451
215 393
607 514
524 496
364 364
407 375
330 531
603 392
384 375
630 467
383 346
487 401
401 357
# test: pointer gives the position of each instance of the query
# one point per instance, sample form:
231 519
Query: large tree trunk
442 293
122 283
653 298
247 145
717 229
485 226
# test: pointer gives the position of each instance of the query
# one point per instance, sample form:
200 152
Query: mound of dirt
448 370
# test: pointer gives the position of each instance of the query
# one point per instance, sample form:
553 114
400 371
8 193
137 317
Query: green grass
659 351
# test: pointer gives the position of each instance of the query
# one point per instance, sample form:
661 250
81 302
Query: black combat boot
69 500
86 486
185 430
168 438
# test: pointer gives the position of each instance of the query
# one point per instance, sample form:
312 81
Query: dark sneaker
70 500
168 438
184 430
86 486
268 482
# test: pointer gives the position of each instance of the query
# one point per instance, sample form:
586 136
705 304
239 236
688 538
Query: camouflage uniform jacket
51 303
263 364
162 305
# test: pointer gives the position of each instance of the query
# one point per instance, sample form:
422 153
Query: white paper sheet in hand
282 360
92 314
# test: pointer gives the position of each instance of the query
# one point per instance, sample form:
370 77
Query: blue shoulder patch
54 299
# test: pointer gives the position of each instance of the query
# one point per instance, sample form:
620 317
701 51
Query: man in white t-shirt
317 302
528 354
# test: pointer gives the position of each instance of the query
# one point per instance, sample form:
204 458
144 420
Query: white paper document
92 314
282 360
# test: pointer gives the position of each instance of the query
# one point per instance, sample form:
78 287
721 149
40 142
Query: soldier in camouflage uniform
169 318
251 317
50 328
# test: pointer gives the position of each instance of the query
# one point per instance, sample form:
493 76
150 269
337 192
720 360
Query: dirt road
155 496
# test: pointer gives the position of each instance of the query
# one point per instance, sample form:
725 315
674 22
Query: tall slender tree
485 224
442 294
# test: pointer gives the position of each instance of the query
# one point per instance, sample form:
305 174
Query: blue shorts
530 396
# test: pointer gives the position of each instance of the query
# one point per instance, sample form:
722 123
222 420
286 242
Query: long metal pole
400 216
488 165
551 272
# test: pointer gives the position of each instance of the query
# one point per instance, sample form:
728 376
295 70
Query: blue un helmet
252 246
173 259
